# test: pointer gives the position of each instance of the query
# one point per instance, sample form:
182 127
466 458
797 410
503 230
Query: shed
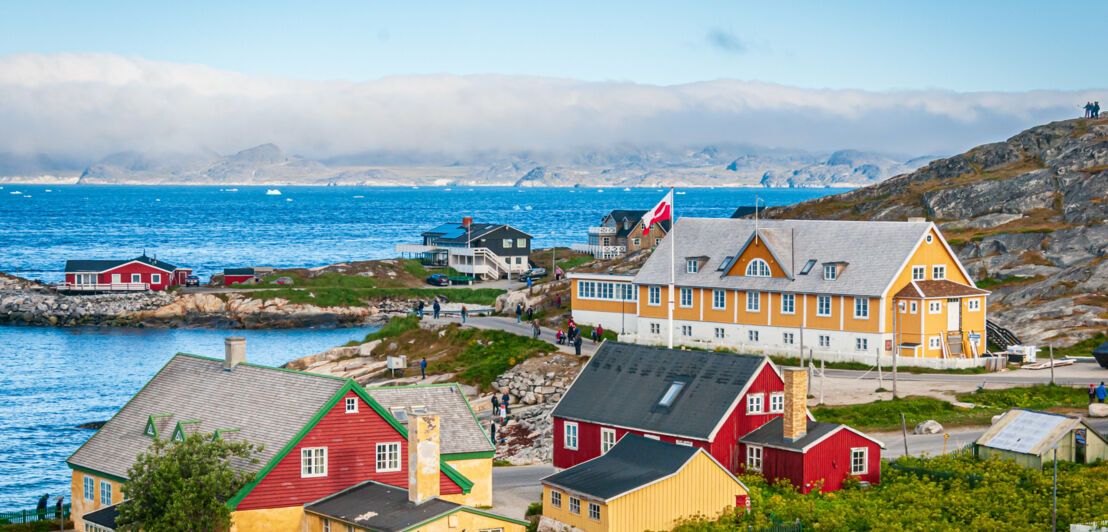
1028 437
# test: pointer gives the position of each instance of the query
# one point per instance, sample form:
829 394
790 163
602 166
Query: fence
27 516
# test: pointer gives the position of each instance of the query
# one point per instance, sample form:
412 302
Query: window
719 332
861 344
691 265
719 300
521 242
723 265
918 273
757 268
351 405
913 307
929 238
349 528
938 272
686 297
570 436
556 499
754 403
671 393
934 342
934 307
753 458
574 505
388 457
808 267
519 260
105 493
752 336
400 414
657 241
313 462
824 340
155 278
788 338
636 242
753 301
861 307
655 328
607 440
507 243
326 525
594 511
823 306
830 271
777 402
973 304
686 443
136 278
903 307
858 460
90 488
654 295
788 303
686 330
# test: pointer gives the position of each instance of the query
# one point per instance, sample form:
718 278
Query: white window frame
752 335
788 338
913 307
823 311
682 293
861 308
385 453
326 525
753 301
935 307
570 441
830 272
865 460
136 277
719 332
861 344
973 304
155 278
938 272
788 303
825 340
655 328
755 403
654 295
89 487
657 242
758 268
719 300
556 498
919 272
776 402
929 238
692 265
594 509
351 405
507 243
934 342
521 243
607 440
754 458
636 242
105 493
686 330
316 464
574 505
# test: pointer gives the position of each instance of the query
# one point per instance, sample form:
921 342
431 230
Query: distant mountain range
629 166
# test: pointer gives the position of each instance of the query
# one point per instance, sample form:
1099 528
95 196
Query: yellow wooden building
639 484
836 290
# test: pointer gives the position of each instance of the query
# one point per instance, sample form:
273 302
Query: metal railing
28 516
599 251
102 287
603 230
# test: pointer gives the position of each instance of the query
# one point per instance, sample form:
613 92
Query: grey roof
633 216
104 265
461 433
623 383
380 507
456 233
104 517
268 405
772 434
1102 349
873 252
634 462
238 271
1029 431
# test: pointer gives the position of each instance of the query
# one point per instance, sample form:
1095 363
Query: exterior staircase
955 346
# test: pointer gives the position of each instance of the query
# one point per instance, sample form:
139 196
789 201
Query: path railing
27 516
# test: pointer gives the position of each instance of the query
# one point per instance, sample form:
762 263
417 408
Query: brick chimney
796 403
234 352
423 457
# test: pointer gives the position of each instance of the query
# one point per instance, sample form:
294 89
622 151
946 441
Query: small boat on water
288 199
48 190
272 192
680 193
359 197
447 189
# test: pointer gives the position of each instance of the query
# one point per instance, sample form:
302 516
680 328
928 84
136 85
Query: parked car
439 279
533 273
192 280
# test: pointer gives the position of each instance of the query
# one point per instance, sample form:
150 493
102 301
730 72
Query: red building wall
351 441
724 448
229 280
830 460
126 270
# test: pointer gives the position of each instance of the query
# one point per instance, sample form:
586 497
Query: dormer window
830 271
808 267
691 265
757 268
671 394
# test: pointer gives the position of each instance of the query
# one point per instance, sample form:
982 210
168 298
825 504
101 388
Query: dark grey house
482 250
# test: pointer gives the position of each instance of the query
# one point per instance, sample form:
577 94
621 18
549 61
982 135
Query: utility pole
1052 370
821 375
1054 495
904 431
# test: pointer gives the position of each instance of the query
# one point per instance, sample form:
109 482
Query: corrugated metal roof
1027 431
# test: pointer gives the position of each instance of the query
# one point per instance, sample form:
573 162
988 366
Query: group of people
1098 393
500 411
1092 109
572 336
436 308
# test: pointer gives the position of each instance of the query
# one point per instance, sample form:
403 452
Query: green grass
414 267
572 262
990 282
396 326
489 353
1036 397
862 366
358 297
1083 348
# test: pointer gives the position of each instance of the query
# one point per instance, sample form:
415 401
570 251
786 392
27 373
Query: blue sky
961 46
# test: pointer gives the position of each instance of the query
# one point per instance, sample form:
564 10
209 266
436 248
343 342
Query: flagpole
672 259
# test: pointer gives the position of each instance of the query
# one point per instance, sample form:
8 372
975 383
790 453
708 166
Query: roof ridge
263 366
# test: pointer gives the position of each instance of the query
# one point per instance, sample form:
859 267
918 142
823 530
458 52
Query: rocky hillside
1027 216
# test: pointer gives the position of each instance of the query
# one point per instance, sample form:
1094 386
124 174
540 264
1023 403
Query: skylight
808 267
400 414
723 265
671 393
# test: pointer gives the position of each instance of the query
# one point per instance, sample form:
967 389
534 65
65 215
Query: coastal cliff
1028 217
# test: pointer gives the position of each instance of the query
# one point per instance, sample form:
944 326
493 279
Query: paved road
510 325
1079 374
516 487
932 444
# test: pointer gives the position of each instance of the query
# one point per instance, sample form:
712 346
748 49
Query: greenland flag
661 212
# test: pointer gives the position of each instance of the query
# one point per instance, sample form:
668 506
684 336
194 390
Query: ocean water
209 228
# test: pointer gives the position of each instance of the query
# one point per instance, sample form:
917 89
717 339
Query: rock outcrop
1029 215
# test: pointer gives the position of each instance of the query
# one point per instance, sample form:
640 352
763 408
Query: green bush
489 353
396 326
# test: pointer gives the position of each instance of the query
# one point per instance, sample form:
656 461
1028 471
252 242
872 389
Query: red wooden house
697 398
139 273
810 453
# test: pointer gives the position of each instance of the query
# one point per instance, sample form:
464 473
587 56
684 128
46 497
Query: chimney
916 219
467 221
796 403
423 457
234 352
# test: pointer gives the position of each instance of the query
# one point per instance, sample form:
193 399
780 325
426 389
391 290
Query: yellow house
639 484
831 289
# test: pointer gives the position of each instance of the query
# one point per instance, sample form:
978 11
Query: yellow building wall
80 506
685 313
756 250
870 324
810 303
599 304
927 255
478 470
909 324
647 310
289 518
580 521
727 315
460 521
780 319
759 317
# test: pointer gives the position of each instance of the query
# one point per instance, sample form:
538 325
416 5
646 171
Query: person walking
58 508
1088 109
1092 392
423 368
599 332
41 508
1101 392
530 283
503 414
519 312
558 273
504 400
492 433
530 313
436 307
421 309
536 330
559 301
577 345
495 404
465 313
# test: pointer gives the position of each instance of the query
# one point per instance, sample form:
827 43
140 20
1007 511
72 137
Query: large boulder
928 427
1098 410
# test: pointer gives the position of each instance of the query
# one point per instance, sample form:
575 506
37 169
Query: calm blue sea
54 379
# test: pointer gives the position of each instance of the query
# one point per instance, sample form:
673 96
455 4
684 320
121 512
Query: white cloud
89 105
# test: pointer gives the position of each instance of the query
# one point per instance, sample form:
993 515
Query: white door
116 278
954 314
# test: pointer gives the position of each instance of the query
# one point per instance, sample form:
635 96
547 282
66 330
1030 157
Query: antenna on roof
756 198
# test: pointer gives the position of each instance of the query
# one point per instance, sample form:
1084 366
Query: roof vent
234 352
